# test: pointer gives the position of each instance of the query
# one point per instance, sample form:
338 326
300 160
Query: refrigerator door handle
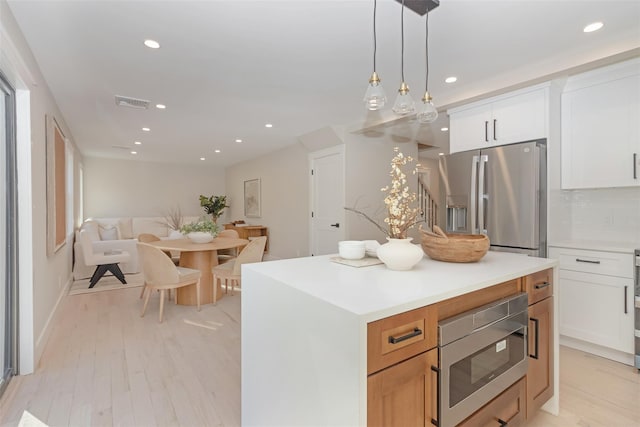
481 196
472 192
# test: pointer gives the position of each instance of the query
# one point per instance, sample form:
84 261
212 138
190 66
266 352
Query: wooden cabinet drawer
508 408
396 338
608 263
538 285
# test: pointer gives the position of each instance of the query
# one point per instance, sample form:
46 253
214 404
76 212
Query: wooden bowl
454 247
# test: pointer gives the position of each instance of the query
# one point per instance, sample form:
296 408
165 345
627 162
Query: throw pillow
92 228
109 232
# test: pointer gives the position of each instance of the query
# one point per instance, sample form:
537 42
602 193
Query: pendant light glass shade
404 102
427 112
374 97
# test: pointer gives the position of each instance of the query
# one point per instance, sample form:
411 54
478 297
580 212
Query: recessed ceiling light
134 152
268 125
238 141
137 142
440 154
451 79
444 129
595 26
216 151
151 44
161 106
146 129
202 158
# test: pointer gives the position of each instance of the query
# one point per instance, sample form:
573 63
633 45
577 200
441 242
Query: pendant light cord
402 42
426 43
375 47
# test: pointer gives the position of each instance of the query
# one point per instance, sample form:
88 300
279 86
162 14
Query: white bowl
351 249
200 237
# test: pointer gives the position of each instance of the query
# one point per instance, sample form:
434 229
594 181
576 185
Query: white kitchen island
304 329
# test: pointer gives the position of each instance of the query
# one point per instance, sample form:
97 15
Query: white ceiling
226 68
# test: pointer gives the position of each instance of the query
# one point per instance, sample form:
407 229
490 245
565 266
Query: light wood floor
104 365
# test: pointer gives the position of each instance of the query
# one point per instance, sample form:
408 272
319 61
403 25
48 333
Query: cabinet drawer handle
502 423
414 333
436 421
536 342
486 131
494 129
587 261
542 285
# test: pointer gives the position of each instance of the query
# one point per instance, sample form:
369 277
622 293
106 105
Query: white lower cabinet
593 307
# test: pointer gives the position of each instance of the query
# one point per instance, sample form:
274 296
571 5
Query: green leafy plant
214 205
202 225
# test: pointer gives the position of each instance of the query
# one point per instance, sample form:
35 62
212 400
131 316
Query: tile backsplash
610 214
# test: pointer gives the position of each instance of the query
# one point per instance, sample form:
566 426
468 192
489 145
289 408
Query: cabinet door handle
414 333
494 129
486 131
542 285
502 423
635 165
588 261
625 299
336 225
536 342
436 421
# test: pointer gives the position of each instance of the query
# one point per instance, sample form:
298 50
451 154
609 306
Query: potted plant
201 231
214 205
398 253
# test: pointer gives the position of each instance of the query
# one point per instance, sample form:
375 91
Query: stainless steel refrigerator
499 191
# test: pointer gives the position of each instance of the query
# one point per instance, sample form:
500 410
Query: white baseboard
46 331
598 350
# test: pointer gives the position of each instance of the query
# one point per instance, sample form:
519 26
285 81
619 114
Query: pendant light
374 97
427 112
404 103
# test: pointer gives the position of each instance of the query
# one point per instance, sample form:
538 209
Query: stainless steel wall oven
482 353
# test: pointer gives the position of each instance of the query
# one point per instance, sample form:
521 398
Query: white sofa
119 234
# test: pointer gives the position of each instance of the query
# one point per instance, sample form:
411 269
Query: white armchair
103 260
84 270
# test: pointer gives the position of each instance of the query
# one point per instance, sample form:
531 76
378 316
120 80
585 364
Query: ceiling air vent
125 101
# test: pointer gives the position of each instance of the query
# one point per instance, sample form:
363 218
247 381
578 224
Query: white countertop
376 292
598 245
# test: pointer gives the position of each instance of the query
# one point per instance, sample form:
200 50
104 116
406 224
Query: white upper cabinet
601 128
513 117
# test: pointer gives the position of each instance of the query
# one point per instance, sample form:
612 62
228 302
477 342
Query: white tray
364 262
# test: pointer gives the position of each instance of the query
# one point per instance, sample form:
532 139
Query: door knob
336 225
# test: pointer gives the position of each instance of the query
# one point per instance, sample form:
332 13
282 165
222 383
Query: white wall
43 279
608 214
284 177
147 189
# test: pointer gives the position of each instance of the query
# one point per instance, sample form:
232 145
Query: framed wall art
56 186
252 200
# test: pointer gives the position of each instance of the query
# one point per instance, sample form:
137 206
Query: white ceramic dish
351 249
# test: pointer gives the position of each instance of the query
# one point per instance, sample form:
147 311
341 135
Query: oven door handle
436 421
536 342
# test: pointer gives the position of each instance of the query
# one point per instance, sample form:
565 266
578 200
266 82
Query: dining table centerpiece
402 214
202 231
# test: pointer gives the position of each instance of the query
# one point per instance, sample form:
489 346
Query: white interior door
327 200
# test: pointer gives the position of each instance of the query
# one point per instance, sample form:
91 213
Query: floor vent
125 101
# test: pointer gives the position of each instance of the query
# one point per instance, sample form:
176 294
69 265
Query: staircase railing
428 204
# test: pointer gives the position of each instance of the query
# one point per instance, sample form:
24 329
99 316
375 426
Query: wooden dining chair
230 272
148 238
225 255
162 274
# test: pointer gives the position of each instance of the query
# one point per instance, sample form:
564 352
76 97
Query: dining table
199 256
